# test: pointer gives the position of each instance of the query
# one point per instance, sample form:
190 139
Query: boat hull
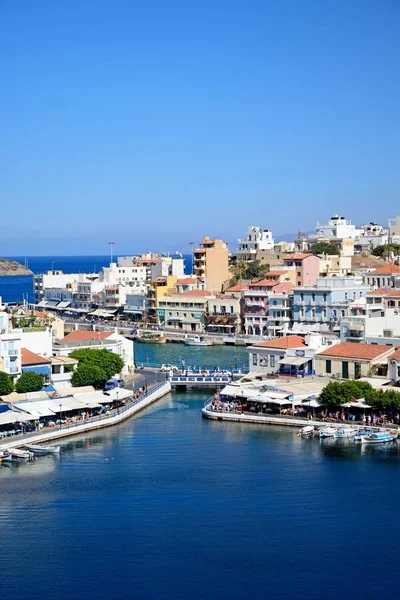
43 449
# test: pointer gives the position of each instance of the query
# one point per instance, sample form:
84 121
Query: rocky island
10 268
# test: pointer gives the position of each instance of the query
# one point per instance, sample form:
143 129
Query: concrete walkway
112 418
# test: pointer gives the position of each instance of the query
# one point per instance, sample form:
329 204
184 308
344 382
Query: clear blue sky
153 123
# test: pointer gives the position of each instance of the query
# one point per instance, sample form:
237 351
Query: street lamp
192 244
60 417
146 383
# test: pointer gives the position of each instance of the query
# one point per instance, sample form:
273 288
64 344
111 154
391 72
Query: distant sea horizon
18 289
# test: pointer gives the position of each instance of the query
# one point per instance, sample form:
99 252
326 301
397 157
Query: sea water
171 506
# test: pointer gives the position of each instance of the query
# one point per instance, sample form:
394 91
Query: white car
167 367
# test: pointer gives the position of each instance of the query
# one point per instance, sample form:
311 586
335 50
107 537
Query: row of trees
324 248
27 382
95 367
384 250
337 393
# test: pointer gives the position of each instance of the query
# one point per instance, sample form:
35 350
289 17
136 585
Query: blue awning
42 370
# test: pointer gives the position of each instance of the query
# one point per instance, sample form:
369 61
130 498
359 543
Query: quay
114 417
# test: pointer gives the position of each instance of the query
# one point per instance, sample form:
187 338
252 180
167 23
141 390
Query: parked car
168 367
113 383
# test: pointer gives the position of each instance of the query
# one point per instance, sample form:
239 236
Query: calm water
171 506
224 357
14 289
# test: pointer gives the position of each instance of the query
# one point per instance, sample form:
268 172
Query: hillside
9 268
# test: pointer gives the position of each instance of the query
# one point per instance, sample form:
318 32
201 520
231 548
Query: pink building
306 267
256 305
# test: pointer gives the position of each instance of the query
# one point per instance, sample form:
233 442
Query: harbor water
171 506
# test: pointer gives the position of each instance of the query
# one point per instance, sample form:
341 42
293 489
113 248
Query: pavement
143 378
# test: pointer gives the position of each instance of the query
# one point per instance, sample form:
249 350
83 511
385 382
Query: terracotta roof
277 272
357 351
383 292
298 256
283 343
30 358
396 354
388 270
186 280
86 336
238 288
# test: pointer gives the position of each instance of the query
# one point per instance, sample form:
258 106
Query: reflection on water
170 505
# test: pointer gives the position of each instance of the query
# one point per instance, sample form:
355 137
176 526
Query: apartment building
384 277
306 267
211 263
184 312
223 314
256 306
256 239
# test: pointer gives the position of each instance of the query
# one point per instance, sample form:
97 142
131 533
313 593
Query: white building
337 228
256 239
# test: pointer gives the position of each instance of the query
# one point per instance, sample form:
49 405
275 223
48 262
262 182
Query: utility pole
111 244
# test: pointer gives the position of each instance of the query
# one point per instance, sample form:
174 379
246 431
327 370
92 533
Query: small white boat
345 432
307 431
22 454
327 432
378 437
361 434
197 340
42 449
5 456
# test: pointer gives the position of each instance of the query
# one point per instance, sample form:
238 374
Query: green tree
383 251
324 248
248 271
29 382
6 384
111 364
88 374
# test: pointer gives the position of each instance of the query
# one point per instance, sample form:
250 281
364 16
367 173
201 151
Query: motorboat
307 431
345 432
379 437
327 432
361 434
197 340
5 456
42 449
21 454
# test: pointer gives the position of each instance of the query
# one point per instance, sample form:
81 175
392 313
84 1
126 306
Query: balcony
255 303
12 352
14 370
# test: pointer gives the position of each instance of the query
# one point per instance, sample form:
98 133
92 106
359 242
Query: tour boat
345 432
307 430
151 337
378 437
42 449
197 340
327 432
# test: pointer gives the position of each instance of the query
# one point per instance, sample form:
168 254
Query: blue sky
154 123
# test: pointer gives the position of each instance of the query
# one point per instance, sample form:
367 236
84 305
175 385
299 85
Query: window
357 370
255 360
328 366
345 370
272 361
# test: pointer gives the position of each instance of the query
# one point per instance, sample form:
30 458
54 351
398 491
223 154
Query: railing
200 379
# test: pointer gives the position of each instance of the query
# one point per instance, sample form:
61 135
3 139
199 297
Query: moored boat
345 432
197 340
378 437
18 453
42 449
327 432
151 337
5 456
307 431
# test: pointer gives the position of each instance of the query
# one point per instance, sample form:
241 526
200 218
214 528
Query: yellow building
158 289
210 261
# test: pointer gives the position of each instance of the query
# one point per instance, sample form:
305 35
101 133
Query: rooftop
297 256
388 270
283 343
185 280
30 358
237 288
262 283
384 292
85 336
357 351
198 293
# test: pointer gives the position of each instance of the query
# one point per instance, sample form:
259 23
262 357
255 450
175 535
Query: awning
64 305
238 391
41 370
42 303
265 399
13 416
132 311
34 409
294 360
115 394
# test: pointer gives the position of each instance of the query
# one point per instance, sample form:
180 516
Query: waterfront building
384 277
211 263
187 284
322 303
378 322
155 265
280 314
223 314
136 306
57 280
256 305
306 267
255 240
353 361
111 341
288 356
10 347
184 312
